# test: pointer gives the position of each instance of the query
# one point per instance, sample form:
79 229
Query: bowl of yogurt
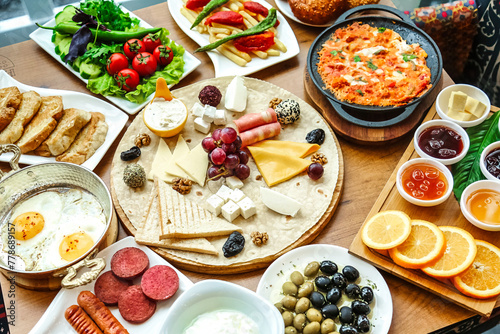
219 307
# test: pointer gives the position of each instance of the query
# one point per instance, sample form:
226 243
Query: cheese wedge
278 202
195 164
294 149
162 159
180 150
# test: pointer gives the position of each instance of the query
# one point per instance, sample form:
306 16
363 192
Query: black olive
316 136
323 283
350 273
330 311
328 267
317 299
131 154
367 294
348 329
363 323
339 281
352 290
234 244
360 307
346 316
333 295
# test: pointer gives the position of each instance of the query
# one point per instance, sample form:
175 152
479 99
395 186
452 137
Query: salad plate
296 260
115 118
53 320
284 7
222 65
43 38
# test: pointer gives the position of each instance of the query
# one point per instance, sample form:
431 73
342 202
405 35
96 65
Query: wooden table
366 171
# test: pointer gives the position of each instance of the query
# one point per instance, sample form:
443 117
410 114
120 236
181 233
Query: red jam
493 163
423 181
440 142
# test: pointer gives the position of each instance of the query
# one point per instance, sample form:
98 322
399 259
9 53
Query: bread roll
317 11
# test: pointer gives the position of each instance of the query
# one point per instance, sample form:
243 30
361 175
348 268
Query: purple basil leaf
79 43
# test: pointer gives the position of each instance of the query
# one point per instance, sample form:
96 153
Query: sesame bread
30 103
10 98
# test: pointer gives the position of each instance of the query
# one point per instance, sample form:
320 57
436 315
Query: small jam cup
421 202
482 163
478 185
439 122
474 92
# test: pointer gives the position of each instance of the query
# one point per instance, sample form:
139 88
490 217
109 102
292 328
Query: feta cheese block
230 210
236 195
197 110
234 183
247 207
224 192
220 117
201 125
236 95
278 202
214 204
209 114
195 164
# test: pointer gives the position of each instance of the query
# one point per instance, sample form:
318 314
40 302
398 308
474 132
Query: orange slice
482 279
386 229
424 246
458 256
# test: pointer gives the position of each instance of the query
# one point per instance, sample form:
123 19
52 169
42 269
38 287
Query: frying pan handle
384 8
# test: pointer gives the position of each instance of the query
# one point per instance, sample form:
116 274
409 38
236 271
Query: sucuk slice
129 263
482 279
134 306
108 288
386 229
160 282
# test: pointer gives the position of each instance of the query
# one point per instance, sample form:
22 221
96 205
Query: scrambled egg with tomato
373 66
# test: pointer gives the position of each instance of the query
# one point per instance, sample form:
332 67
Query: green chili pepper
209 7
262 26
108 36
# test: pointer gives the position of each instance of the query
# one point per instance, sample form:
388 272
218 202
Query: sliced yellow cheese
459 115
162 159
180 150
276 167
195 164
475 107
294 149
457 101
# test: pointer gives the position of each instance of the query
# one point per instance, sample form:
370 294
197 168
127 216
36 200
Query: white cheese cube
236 195
230 211
236 95
201 125
233 182
209 113
197 110
247 207
220 117
214 204
475 107
224 193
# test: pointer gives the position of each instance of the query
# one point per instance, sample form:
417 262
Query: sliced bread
10 98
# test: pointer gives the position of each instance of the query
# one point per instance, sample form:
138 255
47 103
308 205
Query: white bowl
483 184
440 122
420 202
211 295
482 163
444 96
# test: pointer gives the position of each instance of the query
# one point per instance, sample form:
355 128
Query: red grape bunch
224 152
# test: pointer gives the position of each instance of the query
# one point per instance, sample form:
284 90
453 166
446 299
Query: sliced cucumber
89 70
62 48
57 37
66 14
77 64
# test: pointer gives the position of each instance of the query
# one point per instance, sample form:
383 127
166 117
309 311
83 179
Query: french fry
186 13
260 54
249 18
220 36
273 53
239 4
247 23
279 44
220 30
237 52
233 57
225 26
234 7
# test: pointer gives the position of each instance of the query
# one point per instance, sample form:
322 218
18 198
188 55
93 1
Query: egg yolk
28 225
75 245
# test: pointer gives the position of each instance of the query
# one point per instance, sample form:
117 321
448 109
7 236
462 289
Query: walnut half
142 139
182 186
259 238
319 158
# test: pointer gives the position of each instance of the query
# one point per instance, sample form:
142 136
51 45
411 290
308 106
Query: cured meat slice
252 120
129 263
160 282
260 133
108 288
134 306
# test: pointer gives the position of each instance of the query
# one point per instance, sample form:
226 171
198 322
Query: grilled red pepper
257 8
195 4
260 42
229 18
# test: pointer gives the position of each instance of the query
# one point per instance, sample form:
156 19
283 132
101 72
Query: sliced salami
129 263
160 282
108 288
134 306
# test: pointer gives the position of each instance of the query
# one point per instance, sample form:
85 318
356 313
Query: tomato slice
259 42
229 18
195 4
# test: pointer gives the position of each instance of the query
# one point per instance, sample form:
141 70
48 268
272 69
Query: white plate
279 272
284 7
53 320
42 37
115 118
222 65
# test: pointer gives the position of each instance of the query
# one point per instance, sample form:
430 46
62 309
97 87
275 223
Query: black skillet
376 116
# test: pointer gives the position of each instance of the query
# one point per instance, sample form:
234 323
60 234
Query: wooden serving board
448 214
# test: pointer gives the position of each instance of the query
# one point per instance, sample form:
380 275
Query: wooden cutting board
448 214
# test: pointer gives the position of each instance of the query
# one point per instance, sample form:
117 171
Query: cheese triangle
161 161
180 150
291 148
276 167
195 164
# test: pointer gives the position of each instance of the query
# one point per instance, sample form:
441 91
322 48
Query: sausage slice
108 288
160 282
134 306
129 263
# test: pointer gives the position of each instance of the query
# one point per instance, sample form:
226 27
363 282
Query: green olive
312 328
312 269
291 330
302 305
314 315
327 326
289 302
305 289
297 278
299 321
290 289
287 318
279 306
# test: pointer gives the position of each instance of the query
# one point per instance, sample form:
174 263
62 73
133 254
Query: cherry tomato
116 62
127 79
144 63
259 42
132 47
195 4
151 41
163 55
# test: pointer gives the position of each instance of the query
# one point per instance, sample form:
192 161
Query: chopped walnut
183 186
274 102
142 139
319 158
259 238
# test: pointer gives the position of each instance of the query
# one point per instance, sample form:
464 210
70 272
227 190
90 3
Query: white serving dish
444 96
211 295
419 202
482 184
451 125
482 163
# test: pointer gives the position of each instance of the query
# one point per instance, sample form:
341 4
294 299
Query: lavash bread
29 106
317 11
283 231
41 126
87 141
72 121
10 98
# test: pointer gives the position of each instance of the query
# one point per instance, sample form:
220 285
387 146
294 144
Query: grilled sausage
80 321
100 313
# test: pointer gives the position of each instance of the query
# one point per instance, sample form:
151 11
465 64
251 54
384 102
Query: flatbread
283 231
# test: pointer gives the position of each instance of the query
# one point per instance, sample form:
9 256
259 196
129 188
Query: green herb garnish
357 58
371 65
360 92
408 57
381 29
334 52
399 72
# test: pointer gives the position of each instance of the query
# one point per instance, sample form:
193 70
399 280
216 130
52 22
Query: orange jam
484 205
424 181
